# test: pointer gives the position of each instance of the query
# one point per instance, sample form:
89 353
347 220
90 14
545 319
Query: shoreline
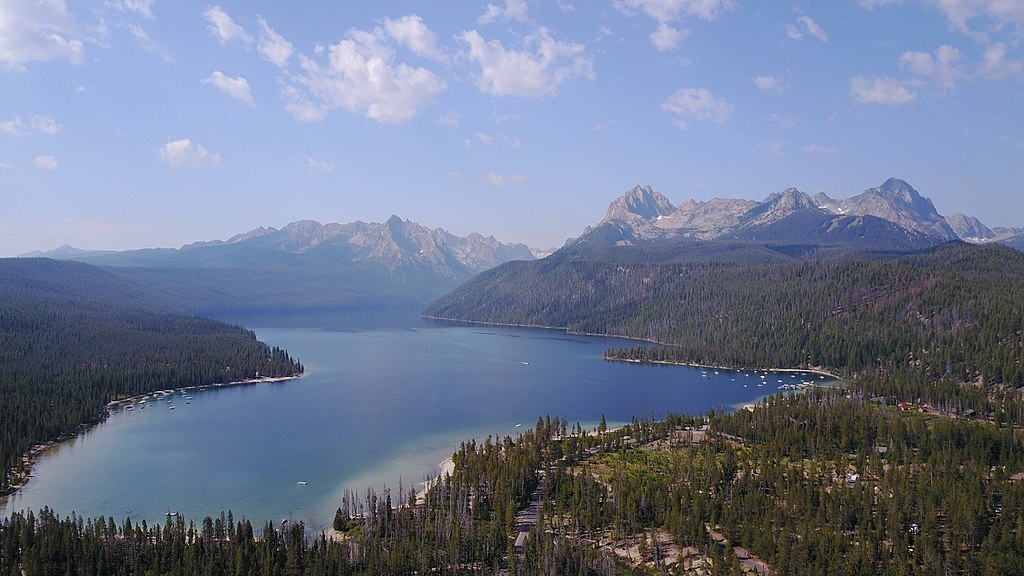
814 371
817 371
30 458
160 393
445 467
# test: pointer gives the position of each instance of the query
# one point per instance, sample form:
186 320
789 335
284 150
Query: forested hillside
73 338
912 326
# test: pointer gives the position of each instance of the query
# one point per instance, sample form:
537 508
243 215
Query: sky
130 124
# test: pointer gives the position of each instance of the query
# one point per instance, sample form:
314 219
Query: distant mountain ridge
893 214
308 264
394 243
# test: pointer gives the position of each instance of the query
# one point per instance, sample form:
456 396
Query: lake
386 397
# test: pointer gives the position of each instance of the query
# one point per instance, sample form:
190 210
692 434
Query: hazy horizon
129 124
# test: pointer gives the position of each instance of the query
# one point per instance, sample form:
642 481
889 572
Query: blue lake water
386 396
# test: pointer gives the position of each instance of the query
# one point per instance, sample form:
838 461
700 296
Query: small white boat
302 482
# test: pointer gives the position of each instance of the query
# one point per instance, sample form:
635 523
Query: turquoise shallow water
386 397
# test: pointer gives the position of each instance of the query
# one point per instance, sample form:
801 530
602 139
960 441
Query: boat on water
302 482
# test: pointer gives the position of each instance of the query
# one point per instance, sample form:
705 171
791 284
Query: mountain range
393 244
891 216
307 264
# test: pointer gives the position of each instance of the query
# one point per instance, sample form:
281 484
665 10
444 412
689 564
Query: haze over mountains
308 264
892 215
393 244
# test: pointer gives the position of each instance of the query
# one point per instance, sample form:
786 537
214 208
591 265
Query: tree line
813 483
918 326
70 344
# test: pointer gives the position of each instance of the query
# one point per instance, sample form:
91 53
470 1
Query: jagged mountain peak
898 202
642 215
791 198
896 188
903 196
640 202
254 233
777 206
969 228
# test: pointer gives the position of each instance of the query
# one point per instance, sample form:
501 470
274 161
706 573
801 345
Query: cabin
520 542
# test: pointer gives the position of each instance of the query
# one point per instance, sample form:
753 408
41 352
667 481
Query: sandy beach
445 468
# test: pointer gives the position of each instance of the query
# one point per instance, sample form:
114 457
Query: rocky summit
893 214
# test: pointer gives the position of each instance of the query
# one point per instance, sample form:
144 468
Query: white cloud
666 38
818 150
997 65
150 45
224 28
360 75
536 71
513 10
669 10
411 32
502 180
872 4
38 31
880 90
237 88
996 14
688 104
272 46
141 7
45 125
944 68
185 153
45 163
16 126
606 124
770 84
313 166
301 107
809 26
771 146
450 120
666 12
483 137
